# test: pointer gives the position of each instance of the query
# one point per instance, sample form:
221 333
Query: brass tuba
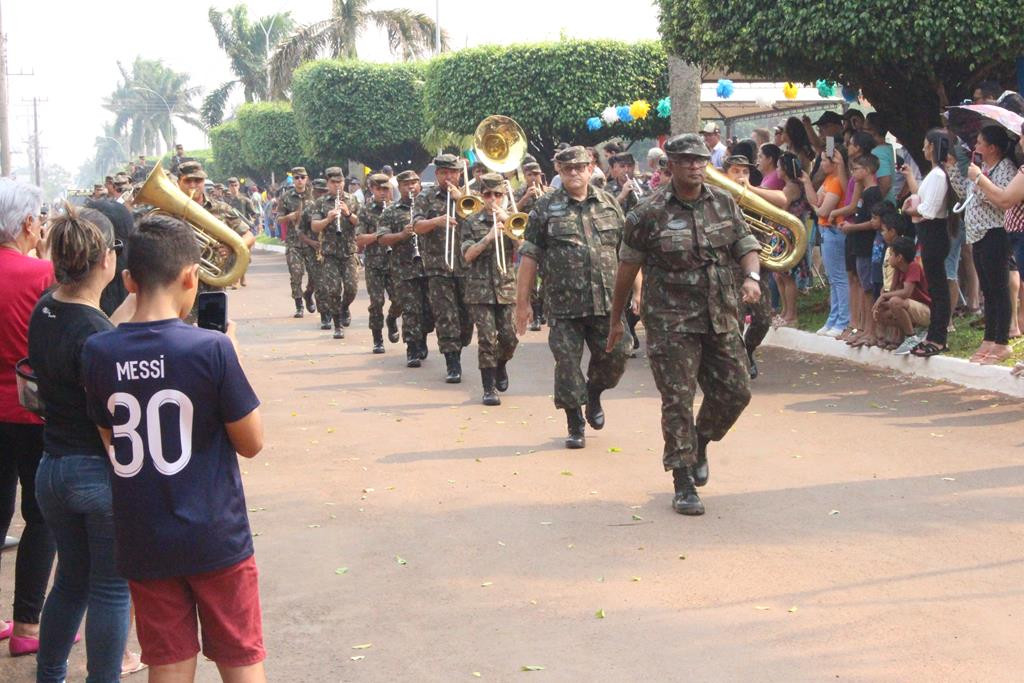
782 235
160 192
500 145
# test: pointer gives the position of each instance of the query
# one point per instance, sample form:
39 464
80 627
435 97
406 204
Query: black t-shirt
56 333
864 239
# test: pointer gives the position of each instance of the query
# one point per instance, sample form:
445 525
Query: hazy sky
73 49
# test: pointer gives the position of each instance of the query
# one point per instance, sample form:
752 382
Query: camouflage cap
531 167
406 176
189 169
122 180
623 158
334 173
320 184
737 160
448 161
219 186
529 159
573 155
688 144
299 170
232 179
377 180
492 182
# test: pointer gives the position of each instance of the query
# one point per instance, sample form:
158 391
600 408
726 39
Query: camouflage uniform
410 279
490 294
760 313
339 270
614 187
233 220
575 243
376 268
537 291
687 250
445 287
312 259
294 248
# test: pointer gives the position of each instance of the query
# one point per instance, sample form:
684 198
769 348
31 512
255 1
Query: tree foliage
909 60
549 89
248 46
270 140
411 35
226 143
361 111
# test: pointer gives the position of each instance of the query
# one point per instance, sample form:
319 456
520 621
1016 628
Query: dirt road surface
861 526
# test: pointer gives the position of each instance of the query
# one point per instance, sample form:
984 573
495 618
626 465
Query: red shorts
227 602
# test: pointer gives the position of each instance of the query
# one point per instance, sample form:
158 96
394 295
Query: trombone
450 238
468 204
514 226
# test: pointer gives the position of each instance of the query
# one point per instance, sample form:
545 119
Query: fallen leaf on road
791 610
364 646
356 658
313 526
833 512
948 479
477 674
341 570
637 518
682 557
614 449
400 561
531 667
599 614
545 523
937 436
636 579
566 473
762 608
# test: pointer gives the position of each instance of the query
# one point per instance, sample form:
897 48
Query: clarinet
415 238
337 207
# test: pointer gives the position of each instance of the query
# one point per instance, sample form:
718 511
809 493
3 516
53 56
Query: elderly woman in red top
25 278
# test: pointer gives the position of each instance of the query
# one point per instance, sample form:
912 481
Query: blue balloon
594 123
725 88
471 155
624 114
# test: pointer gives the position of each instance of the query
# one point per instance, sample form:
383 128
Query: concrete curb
275 248
943 368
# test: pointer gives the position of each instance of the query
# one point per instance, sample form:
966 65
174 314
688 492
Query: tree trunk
684 88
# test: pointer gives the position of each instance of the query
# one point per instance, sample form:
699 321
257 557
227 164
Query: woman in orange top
833 241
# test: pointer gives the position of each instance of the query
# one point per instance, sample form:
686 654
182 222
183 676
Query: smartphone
830 147
976 159
900 162
794 168
213 311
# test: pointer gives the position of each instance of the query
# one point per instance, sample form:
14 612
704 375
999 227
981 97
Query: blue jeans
74 495
833 254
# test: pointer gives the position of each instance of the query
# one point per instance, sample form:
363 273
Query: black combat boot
412 355
298 308
574 419
701 473
346 316
392 330
378 341
595 413
487 378
310 306
686 500
339 331
753 364
454 363
423 348
501 377
325 321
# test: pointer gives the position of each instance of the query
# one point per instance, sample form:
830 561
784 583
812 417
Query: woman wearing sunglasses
72 482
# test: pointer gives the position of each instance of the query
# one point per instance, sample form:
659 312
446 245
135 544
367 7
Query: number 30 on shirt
130 430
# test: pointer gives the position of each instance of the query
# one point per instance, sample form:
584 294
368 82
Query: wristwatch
756 277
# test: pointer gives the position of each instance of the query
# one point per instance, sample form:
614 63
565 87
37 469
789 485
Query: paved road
861 526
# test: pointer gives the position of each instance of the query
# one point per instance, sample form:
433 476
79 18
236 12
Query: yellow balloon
790 91
639 109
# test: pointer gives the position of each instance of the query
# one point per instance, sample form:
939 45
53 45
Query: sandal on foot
927 349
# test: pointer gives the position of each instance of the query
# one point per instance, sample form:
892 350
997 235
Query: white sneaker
823 331
834 332
908 344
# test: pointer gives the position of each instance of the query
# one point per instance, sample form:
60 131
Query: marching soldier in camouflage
377 270
289 210
686 237
312 258
575 232
395 231
236 200
737 168
333 219
533 189
192 181
454 326
490 293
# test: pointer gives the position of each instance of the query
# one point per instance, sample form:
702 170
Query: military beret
299 170
189 169
736 160
573 155
406 176
334 173
492 181
448 161
232 179
531 167
687 144
623 158
377 179
320 184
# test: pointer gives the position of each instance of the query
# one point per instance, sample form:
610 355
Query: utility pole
35 140
437 27
5 137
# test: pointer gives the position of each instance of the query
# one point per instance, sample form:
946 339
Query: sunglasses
300 177
492 193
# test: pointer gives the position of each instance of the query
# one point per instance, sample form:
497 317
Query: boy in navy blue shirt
174 407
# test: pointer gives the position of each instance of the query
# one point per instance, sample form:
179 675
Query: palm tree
111 151
248 47
411 35
146 103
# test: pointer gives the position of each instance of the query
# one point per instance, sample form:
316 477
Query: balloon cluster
624 113
725 88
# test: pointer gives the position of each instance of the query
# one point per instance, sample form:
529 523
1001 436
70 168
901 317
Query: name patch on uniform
677 224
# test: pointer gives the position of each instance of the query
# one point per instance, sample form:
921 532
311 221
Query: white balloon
610 115
765 101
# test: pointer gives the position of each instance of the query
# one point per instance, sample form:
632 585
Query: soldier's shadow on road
481 452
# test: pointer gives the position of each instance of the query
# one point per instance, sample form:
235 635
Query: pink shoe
7 630
26 645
